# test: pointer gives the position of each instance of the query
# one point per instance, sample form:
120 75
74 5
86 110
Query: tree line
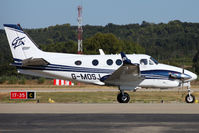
175 42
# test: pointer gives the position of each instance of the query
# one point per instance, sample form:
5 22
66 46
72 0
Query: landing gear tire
123 97
190 98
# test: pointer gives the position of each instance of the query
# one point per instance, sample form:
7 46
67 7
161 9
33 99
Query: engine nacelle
180 76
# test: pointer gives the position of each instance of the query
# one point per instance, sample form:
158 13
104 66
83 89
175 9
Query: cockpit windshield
155 61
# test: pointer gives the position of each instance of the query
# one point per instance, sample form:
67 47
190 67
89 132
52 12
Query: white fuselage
63 66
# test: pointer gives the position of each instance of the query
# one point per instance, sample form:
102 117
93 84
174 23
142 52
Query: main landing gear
189 97
123 97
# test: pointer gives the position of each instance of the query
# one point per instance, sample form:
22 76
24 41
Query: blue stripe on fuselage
52 67
148 74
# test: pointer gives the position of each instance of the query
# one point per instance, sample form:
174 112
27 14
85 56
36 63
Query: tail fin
21 45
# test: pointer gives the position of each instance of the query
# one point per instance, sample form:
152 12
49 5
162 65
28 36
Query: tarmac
50 88
98 118
56 108
99 123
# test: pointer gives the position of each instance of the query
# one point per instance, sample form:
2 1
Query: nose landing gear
189 97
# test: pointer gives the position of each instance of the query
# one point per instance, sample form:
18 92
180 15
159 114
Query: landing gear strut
189 97
123 97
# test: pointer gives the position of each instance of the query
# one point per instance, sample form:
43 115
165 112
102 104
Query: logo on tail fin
17 42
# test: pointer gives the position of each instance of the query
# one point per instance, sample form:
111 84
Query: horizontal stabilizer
34 62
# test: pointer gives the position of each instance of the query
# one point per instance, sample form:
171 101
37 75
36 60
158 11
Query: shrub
2 79
22 80
41 80
12 80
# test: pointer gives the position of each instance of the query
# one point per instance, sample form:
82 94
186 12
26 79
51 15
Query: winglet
125 59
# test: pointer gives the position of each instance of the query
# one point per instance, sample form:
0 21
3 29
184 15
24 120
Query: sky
44 13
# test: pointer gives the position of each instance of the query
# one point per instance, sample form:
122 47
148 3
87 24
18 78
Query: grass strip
102 97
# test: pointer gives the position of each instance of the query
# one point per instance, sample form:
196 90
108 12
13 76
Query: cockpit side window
143 62
151 62
155 61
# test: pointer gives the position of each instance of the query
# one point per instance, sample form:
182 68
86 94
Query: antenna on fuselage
101 52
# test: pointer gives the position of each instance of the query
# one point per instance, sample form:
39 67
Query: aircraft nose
193 76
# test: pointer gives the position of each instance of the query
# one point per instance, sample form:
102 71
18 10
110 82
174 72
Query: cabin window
95 62
78 62
109 62
118 62
143 62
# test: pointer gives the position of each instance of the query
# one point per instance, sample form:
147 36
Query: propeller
182 80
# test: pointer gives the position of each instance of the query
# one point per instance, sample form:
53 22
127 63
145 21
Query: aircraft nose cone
194 76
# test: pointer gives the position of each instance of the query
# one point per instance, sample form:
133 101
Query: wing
34 62
127 75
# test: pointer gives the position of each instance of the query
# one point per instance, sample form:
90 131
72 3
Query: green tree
110 44
196 62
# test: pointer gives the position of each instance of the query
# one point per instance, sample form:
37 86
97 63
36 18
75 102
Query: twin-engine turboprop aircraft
128 72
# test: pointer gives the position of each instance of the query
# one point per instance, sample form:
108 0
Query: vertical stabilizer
21 45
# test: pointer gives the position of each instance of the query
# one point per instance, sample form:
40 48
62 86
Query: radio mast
80 30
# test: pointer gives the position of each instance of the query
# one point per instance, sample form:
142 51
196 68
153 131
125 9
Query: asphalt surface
117 108
99 123
99 118
45 88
